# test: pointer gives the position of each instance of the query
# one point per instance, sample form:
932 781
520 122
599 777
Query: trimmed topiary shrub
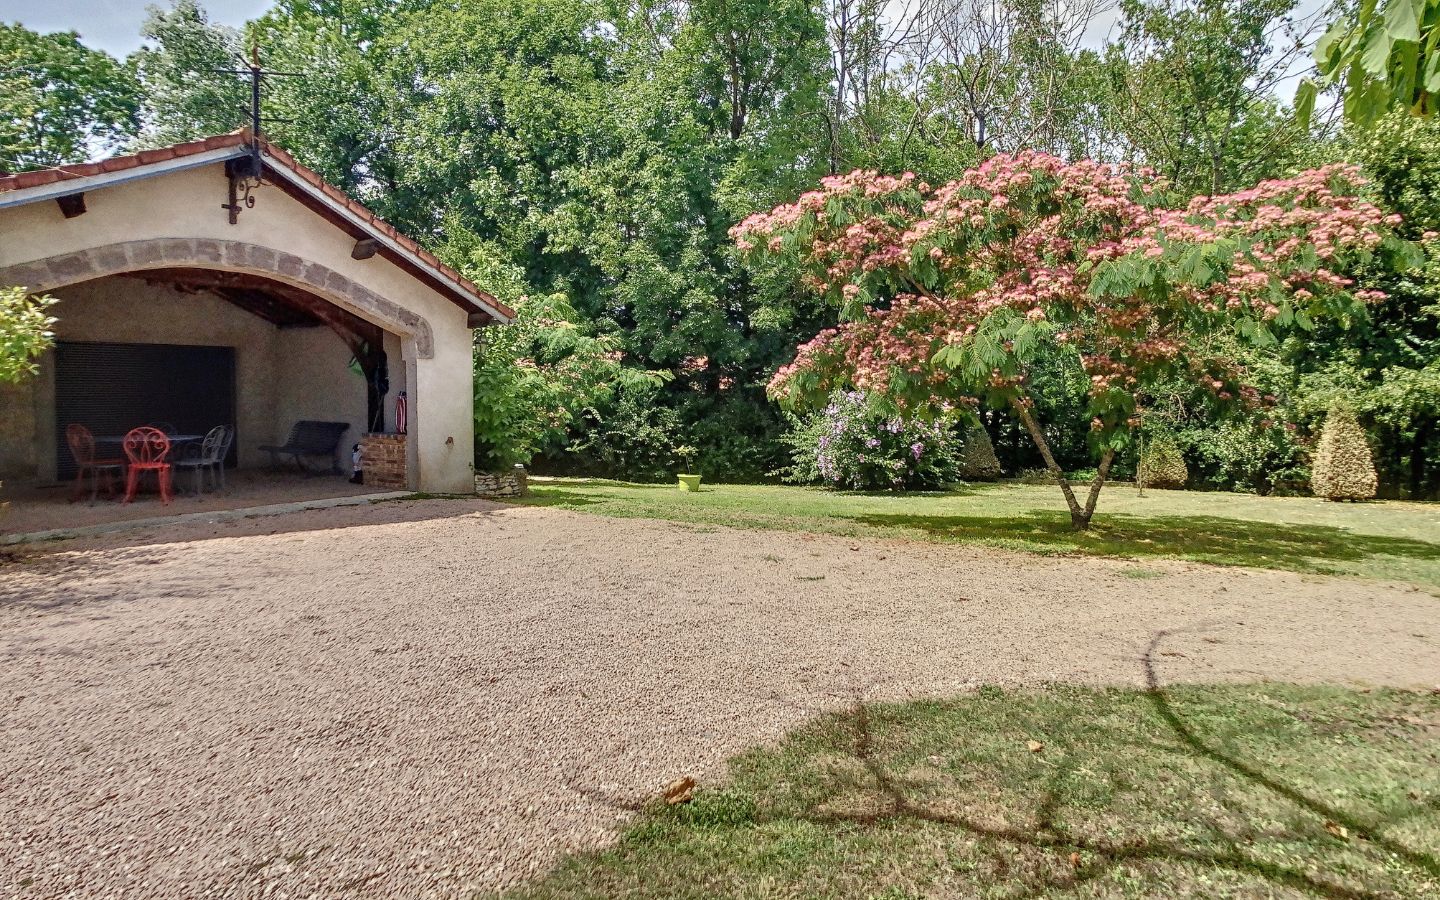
1344 468
1162 465
977 457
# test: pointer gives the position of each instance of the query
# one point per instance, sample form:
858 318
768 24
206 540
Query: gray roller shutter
111 388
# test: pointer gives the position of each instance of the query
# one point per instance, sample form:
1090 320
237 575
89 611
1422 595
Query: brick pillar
382 457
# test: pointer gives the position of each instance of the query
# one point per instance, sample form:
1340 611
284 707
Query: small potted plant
688 481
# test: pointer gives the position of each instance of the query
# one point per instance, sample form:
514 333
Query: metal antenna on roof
247 173
256 75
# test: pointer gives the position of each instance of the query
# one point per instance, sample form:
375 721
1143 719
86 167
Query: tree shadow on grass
1092 853
1200 791
1102 855
1206 538
1214 539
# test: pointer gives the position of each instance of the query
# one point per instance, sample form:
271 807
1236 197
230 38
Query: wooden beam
275 301
262 304
365 248
71 205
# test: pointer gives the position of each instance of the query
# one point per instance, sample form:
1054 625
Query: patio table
176 442
175 439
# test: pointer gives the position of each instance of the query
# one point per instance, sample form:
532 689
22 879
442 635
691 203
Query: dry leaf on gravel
680 790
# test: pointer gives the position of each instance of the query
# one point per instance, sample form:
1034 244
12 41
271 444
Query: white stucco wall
186 204
313 381
281 375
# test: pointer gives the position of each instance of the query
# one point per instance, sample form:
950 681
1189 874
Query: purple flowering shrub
856 443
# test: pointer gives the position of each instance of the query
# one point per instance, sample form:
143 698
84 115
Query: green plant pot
689 482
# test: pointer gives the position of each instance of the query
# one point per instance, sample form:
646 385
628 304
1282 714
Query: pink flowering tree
951 295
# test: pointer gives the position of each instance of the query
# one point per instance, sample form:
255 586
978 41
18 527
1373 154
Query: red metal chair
148 450
82 448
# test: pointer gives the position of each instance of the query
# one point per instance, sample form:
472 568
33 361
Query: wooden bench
311 439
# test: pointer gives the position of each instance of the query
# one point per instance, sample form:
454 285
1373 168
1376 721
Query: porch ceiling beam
274 311
281 296
347 325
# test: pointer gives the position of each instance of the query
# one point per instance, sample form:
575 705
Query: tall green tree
1195 84
185 96
1386 364
755 60
60 101
336 115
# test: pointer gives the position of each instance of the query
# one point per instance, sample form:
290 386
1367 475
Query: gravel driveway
422 699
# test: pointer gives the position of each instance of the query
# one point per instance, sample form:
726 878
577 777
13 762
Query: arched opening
286 306
194 347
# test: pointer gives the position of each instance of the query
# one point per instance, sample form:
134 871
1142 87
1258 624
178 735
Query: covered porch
189 348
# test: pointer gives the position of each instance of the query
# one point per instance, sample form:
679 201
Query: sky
113 25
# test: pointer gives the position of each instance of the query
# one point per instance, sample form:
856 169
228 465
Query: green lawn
1378 540
1241 791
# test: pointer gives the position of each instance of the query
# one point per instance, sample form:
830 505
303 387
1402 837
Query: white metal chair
210 458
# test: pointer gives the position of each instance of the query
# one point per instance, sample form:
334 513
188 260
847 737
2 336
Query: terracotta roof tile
39 177
32 179
117 163
275 155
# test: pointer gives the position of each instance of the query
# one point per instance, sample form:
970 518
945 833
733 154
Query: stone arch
236 256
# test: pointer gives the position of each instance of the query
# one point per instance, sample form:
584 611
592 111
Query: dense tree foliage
1384 57
60 102
591 155
180 67
1195 81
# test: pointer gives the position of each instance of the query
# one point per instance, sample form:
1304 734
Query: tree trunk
1140 457
1078 519
1101 474
1417 460
1080 516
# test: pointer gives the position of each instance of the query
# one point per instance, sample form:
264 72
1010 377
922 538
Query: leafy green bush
1257 456
1161 464
858 443
536 377
24 331
1344 468
737 432
633 437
